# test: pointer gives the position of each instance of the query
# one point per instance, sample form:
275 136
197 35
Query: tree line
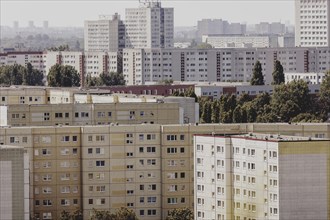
125 214
20 75
58 76
290 102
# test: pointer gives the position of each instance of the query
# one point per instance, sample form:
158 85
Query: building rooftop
268 137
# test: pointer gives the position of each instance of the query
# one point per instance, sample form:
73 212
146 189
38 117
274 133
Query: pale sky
187 12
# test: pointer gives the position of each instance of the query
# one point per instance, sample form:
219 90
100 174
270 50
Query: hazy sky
187 12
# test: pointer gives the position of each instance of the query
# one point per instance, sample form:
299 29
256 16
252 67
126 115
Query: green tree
215 116
101 215
191 93
243 99
289 100
257 76
237 114
63 76
12 74
125 214
204 46
306 117
32 77
112 79
65 215
324 96
180 214
206 112
278 74
227 107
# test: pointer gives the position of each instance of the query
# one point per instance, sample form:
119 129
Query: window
141 149
100 188
65 176
65 189
84 114
65 138
171 150
47 177
151 161
171 137
47 202
58 115
65 151
100 163
65 202
46 190
152 211
142 212
14 140
90 201
24 139
151 199
45 152
47 164
99 150
151 136
100 138
90 138
172 200
152 187
74 151
130 192
151 149
47 215
181 149
74 138
90 150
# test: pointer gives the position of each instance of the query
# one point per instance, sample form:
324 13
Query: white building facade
255 176
312 23
106 34
149 26
149 66
310 78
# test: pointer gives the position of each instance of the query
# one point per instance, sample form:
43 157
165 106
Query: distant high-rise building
312 23
31 24
15 24
45 24
149 26
219 27
266 28
105 34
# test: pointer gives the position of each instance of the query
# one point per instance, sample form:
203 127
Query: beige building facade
147 168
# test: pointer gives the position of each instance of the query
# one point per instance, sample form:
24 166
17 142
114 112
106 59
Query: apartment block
23 58
149 66
149 26
219 27
14 183
312 23
94 114
257 176
105 34
220 41
86 63
310 78
147 168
